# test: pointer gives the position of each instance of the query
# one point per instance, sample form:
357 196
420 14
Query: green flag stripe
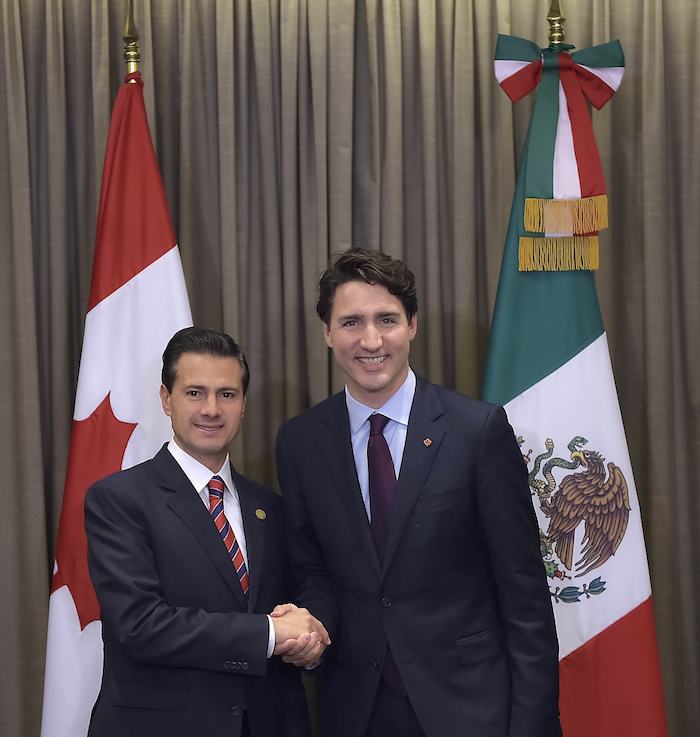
513 48
541 319
605 55
539 160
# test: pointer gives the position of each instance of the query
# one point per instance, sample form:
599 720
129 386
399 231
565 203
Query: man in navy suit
187 557
412 536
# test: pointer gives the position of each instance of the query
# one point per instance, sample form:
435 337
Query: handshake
299 637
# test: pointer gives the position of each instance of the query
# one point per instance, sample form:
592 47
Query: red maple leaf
97 448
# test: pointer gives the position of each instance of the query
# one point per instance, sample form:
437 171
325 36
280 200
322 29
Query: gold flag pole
132 55
556 20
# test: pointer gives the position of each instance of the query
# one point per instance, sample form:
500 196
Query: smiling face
206 406
371 336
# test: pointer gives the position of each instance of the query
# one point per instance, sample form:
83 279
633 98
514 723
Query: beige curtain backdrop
287 130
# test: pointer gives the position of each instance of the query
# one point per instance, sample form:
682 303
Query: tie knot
377 423
216 486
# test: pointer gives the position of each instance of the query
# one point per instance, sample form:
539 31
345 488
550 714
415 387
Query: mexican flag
549 365
138 300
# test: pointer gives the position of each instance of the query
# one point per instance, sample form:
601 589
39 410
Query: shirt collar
397 407
198 474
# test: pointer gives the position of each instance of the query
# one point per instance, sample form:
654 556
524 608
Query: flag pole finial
132 55
556 20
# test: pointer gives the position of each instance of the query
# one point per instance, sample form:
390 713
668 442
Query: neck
213 463
377 399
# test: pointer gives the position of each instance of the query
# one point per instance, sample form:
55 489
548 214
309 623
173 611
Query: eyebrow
357 315
201 387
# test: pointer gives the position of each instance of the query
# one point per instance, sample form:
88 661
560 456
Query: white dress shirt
199 476
398 409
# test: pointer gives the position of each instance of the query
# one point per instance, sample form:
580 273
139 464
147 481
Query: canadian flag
138 300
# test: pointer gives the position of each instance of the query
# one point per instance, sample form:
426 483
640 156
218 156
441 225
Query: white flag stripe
612 76
505 68
566 184
125 335
580 399
73 669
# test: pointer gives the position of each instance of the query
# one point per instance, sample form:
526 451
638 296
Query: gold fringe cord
586 215
559 254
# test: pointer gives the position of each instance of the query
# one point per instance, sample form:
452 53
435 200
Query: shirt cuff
270 637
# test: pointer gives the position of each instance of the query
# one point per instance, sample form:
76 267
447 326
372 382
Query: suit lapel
423 440
337 451
254 524
183 500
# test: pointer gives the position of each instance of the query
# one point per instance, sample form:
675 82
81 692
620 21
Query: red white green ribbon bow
565 197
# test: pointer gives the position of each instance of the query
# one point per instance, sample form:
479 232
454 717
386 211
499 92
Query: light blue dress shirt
397 408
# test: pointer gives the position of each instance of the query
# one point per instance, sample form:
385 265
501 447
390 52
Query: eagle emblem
594 496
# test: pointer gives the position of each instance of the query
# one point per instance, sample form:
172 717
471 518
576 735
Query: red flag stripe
130 177
590 168
611 685
523 82
593 87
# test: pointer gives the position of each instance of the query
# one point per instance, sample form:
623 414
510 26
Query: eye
349 323
388 320
228 395
193 393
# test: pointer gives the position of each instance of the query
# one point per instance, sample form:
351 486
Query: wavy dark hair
203 341
371 267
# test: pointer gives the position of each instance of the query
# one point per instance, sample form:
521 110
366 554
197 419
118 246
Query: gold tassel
559 254
587 215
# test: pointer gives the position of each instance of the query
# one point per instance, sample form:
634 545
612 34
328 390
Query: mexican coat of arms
590 495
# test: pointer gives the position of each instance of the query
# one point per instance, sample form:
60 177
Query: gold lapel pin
427 442
260 514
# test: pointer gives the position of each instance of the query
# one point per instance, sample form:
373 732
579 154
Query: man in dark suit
412 536
187 556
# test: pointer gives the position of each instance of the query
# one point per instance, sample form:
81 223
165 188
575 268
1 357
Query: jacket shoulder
127 476
320 412
455 402
259 491
126 485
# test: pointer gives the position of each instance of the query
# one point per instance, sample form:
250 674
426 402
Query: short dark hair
202 341
371 267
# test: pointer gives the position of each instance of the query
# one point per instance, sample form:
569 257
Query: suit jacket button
375 664
386 601
244 665
227 665
235 711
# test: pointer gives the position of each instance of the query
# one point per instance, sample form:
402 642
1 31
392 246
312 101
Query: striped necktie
216 510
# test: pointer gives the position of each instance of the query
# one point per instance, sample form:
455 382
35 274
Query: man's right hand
299 637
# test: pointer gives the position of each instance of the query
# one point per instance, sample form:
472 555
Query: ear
413 327
243 408
327 335
165 400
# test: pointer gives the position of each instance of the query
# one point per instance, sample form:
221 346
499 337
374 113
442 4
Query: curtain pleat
23 523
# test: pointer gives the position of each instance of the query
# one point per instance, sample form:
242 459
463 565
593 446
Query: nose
210 406
371 339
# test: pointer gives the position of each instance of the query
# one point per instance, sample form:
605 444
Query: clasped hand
299 637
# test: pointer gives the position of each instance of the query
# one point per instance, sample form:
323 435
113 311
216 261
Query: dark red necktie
382 481
382 489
